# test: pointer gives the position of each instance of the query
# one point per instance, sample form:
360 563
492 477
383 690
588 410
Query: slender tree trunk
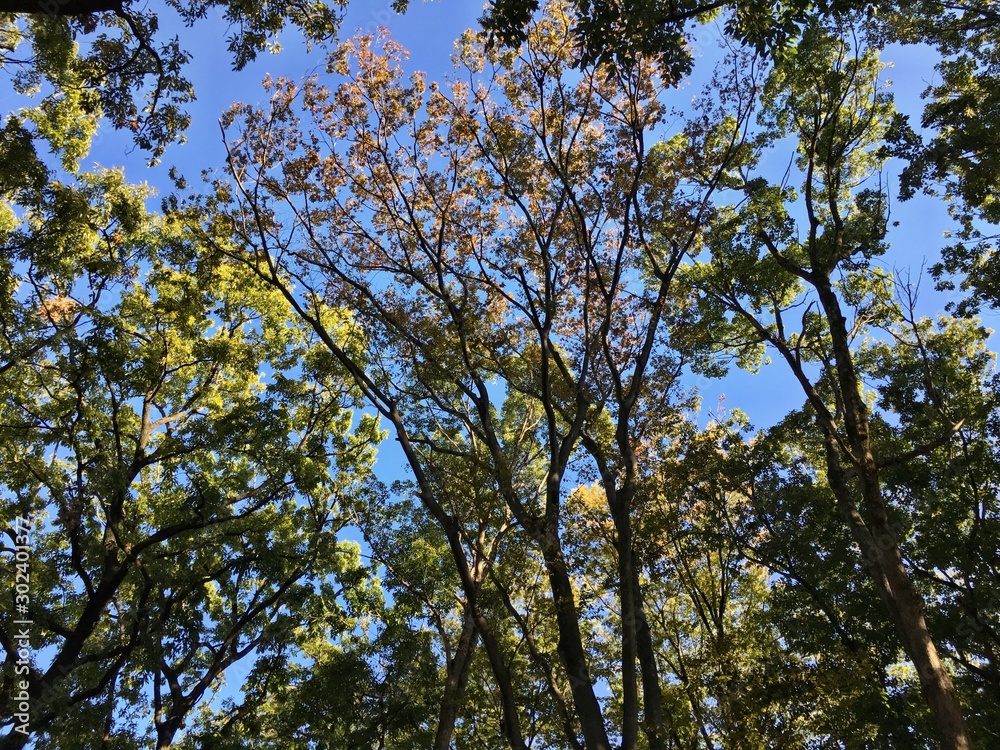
166 731
885 561
627 600
935 682
637 642
511 723
455 682
652 694
570 646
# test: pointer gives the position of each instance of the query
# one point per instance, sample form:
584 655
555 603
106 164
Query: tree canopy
517 274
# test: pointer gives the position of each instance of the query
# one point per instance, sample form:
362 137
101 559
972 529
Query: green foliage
617 34
955 157
185 510
512 273
94 59
811 254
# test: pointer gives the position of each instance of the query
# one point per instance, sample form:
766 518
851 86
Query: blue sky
428 31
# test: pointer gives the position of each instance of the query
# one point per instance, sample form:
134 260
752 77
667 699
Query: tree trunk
879 542
455 682
627 599
511 723
570 647
652 694
637 640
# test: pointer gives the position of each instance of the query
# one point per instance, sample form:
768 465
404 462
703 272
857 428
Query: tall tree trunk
637 642
455 681
627 600
511 723
570 646
652 694
882 553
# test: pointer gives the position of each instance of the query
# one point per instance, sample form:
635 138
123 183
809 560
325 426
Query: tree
506 270
182 512
616 34
728 681
125 62
936 371
508 242
825 614
955 157
124 71
759 273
